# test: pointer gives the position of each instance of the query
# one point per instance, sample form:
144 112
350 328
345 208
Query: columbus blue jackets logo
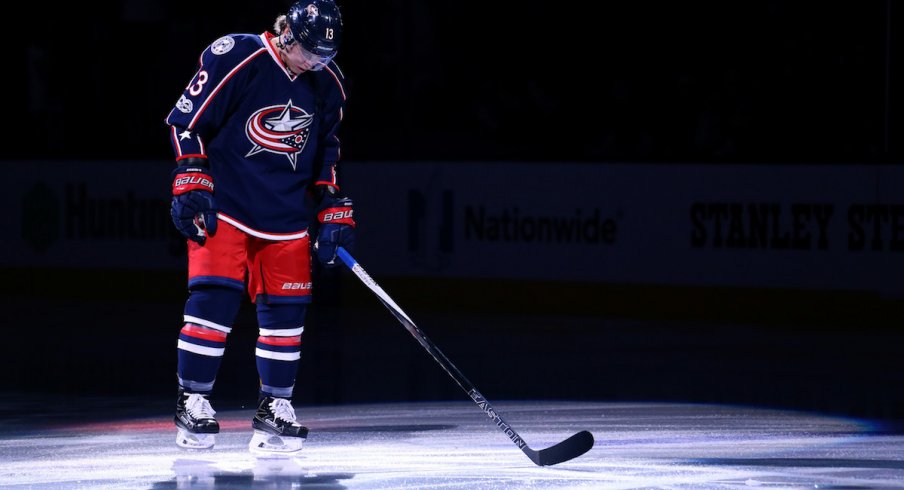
281 129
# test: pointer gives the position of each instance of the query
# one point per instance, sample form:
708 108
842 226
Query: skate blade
188 440
264 445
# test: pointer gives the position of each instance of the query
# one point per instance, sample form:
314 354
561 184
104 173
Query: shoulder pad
332 66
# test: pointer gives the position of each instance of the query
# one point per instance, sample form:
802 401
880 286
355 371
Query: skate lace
198 407
282 409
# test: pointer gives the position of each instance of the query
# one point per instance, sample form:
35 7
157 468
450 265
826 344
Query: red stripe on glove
191 181
341 215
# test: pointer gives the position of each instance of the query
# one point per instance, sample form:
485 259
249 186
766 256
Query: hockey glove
194 209
337 228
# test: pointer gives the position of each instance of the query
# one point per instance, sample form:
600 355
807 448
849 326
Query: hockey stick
570 448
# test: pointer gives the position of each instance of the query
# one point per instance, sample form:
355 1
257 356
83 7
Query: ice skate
195 422
276 433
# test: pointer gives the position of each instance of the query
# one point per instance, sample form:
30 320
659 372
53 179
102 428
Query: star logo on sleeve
185 135
280 129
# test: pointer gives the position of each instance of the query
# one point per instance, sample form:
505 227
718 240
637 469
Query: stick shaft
433 350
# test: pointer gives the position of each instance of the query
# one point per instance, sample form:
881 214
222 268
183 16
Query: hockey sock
200 352
209 312
279 347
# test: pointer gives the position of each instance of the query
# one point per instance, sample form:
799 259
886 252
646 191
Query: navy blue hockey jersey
269 136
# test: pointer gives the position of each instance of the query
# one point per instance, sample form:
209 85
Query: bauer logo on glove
338 217
188 182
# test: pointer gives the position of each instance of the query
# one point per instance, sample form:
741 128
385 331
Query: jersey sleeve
211 94
333 112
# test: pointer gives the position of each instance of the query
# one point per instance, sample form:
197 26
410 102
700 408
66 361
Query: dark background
763 82
759 81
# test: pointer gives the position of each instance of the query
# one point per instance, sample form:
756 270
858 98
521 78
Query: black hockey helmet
316 26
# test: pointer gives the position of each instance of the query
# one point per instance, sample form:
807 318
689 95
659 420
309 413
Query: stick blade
570 448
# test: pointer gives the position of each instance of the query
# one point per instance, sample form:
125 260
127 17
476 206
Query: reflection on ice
256 472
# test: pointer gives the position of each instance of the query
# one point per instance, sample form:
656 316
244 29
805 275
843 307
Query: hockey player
255 137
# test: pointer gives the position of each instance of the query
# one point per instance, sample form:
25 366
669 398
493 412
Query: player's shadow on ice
269 473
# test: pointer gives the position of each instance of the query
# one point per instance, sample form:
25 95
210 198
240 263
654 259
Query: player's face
297 62
301 60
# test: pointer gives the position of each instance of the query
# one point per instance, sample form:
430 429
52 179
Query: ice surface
453 445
